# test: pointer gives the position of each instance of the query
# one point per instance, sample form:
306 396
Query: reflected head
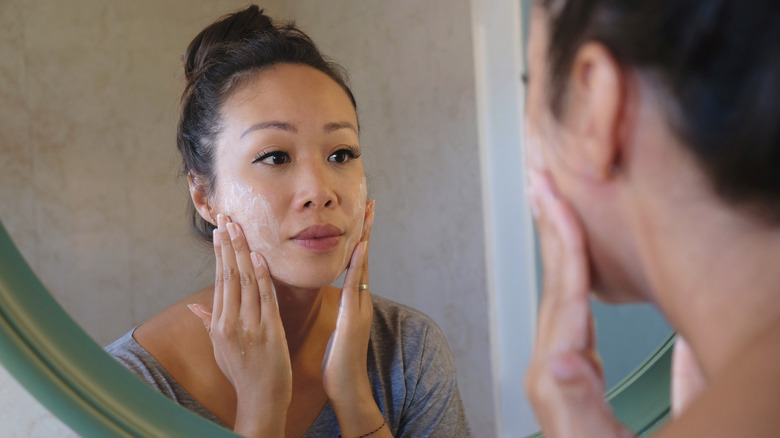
221 59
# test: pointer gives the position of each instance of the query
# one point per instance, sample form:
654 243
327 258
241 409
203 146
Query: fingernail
215 236
255 259
231 227
192 308
221 221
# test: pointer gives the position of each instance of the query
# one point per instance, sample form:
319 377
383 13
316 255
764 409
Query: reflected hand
565 381
246 332
344 367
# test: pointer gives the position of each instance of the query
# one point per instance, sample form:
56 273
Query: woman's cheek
534 159
255 215
357 222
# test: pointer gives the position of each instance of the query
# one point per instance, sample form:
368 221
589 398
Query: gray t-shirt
410 368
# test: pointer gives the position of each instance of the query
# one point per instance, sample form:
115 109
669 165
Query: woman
269 138
654 147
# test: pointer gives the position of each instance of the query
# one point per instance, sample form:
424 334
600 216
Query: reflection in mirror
93 198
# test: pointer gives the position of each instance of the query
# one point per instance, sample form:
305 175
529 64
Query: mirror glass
89 175
92 197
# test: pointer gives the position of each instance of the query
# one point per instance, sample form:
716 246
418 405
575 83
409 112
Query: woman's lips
319 238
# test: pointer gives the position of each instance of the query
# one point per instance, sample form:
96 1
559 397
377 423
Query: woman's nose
313 187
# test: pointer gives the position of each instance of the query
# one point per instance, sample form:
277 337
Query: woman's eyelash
344 155
353 151
280 157
262 156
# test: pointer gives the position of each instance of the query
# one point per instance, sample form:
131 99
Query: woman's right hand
246 332
565 382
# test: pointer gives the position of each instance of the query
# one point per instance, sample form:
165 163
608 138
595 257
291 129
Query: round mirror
55 359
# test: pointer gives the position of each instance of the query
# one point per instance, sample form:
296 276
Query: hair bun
228 29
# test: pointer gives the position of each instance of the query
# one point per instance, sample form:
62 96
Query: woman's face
288 171
552 145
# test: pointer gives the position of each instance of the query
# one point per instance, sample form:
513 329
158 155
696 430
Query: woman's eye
274 158
343 155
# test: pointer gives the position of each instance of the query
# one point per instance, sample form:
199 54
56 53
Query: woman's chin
307 280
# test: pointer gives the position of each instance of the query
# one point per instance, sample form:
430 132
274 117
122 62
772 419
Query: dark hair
220 59
719 63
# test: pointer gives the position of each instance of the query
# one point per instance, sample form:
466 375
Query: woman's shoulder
412 369
401 330
178 341
176 333
393 314
741 399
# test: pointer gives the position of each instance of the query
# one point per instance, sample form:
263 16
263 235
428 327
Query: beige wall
88 168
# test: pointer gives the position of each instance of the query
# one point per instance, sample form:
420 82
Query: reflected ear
199 195
597 99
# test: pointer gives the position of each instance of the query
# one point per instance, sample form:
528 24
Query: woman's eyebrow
274 124
335 126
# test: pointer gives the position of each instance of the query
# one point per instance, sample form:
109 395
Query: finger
368 220
217 304
202 313
565 311
580 398
367 239
364 295
565 243
249 304
231 287
268 300
350 295
594 356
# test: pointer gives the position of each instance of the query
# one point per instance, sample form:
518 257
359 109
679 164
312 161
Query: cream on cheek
545 141
256 216
357 218
254 213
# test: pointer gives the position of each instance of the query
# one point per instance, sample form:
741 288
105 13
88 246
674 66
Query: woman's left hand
344 367
565 382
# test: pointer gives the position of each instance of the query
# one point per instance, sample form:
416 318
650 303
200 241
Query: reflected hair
220 60
716 61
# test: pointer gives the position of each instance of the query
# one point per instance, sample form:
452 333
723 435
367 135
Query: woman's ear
199 194
596 101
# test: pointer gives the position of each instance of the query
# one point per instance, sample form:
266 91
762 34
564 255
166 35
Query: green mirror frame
70 374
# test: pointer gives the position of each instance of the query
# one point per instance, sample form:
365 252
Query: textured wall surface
89 184
88 175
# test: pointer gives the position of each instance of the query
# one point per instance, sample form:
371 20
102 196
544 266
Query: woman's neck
714 272
300 310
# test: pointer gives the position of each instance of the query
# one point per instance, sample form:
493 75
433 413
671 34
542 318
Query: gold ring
362 286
